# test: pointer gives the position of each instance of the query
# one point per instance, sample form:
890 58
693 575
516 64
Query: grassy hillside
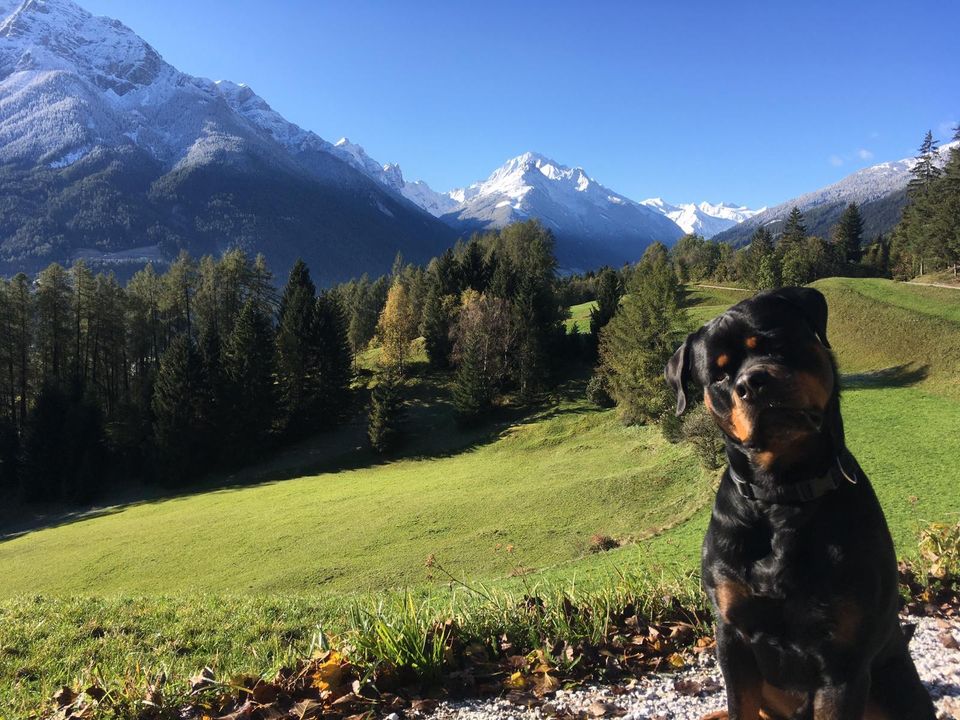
244 577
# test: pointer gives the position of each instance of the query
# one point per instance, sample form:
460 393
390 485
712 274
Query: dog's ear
677 373
813 305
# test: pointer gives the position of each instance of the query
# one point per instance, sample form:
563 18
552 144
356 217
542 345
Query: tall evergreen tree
609 292
848 235
436 325
639 340
53 323
794 230
249 369
336 359
386 412
178 419
298 371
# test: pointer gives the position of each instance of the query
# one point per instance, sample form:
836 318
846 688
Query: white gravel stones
689 694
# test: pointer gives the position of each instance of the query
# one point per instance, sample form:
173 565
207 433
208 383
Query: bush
699 430
940 550
600 542
598 393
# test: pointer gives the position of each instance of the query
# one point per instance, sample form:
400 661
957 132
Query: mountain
593 225
108 152
704 219
879 190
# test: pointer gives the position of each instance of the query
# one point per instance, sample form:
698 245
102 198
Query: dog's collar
801 492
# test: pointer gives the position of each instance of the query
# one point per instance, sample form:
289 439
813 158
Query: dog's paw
718 715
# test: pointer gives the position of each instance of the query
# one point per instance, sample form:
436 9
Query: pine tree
768 274
53 323
609 292
298 371
386 412
436 326
335 357
249 369
794 231
178 431
639 340
761 247
848 235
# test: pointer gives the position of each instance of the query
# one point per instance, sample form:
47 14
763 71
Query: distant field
580 316
243 577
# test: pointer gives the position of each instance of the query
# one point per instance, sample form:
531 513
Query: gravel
695 691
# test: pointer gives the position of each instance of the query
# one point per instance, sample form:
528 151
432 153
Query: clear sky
751 102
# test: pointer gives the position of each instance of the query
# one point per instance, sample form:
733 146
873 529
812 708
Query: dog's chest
778 584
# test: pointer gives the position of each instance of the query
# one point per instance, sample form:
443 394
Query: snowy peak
60 35
874 184
705 219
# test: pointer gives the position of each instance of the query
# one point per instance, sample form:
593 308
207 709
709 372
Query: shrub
699 430
600 542
940 550
598 393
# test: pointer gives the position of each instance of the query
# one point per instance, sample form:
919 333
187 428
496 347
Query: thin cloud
836 160
864 154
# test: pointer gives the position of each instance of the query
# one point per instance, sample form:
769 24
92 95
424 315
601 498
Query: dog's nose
751 383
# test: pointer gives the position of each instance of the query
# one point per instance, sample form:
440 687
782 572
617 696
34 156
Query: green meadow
245 574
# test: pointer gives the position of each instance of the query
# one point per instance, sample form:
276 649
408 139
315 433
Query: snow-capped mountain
106 147
703 219
592 223
879 190
389 175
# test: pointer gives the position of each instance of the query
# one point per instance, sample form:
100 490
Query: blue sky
749 102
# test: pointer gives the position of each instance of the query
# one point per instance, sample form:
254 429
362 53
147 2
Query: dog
797 561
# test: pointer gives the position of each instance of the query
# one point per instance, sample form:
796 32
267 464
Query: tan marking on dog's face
740 423
722 360
813 391
751 342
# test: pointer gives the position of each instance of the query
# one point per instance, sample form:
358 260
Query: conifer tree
386 412
794 231
639 340
298 371
848 235
761 247
178 425
335 357
53 323
249 369
436 326
609 292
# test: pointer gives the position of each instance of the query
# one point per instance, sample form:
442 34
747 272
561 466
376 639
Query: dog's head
767 374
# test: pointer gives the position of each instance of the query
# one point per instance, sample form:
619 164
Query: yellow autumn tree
396 327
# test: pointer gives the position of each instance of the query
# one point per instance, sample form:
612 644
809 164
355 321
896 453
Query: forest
208 365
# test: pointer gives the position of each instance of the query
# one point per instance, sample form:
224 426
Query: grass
245 578
580 316
544 487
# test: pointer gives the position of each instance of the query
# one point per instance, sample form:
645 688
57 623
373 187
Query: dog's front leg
845 700
740 673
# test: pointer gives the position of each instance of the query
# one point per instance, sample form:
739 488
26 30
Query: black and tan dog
797 560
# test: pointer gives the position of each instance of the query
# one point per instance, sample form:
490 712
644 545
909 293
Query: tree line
176 373
490 315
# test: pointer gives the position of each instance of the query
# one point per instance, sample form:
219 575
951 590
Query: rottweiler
797 561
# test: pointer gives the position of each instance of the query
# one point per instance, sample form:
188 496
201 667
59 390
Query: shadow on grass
430 430
892 377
